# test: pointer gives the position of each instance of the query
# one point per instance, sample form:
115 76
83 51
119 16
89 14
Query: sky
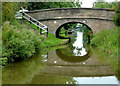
89 3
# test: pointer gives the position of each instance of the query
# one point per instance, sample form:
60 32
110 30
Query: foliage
65 28
9 10
63 32
111 5
74 27
49 40
117 10
46 5
107 41
31 25
116 18
19 44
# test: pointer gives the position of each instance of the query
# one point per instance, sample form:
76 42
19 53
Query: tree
47 5
110 5
9 10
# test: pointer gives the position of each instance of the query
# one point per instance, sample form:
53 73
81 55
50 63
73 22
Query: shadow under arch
72 58
61 37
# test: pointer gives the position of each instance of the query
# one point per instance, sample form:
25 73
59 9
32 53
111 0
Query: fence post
22 14
30 20
47 32
38 25
40 31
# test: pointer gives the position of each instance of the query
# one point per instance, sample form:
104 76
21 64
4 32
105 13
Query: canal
73 63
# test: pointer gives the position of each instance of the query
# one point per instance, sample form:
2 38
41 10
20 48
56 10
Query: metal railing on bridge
43 28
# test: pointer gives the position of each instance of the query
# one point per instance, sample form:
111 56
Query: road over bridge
96 19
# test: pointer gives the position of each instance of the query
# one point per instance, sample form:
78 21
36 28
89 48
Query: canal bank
107 41
20 42
48 67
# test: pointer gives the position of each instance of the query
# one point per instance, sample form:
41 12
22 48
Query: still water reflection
74 63
96 80
78 44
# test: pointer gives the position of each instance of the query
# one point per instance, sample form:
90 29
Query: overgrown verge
107 41
51 40
19 42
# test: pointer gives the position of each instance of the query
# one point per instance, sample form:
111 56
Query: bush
116 18
19 44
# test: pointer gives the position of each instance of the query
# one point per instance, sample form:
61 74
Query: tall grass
107 41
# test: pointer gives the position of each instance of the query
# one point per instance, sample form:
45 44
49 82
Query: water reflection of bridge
89 67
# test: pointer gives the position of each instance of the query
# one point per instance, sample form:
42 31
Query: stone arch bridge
96 19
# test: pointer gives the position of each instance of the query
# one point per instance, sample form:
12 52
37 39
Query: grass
51 40
32 25
107 41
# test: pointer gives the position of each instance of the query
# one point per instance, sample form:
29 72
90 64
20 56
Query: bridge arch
72 22
97 19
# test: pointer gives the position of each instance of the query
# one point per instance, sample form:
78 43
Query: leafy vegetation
8 11
49 40
18 43
9 8
76 27
47 5
116 19
111 5
21 43
107 40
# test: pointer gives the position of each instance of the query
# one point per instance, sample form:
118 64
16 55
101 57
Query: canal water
74 63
